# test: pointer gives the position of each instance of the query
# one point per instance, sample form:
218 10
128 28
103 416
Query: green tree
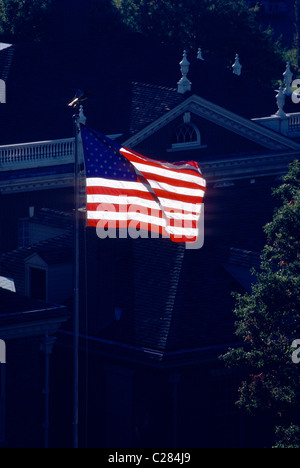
103 17
221 28
24 19
37 20
269 321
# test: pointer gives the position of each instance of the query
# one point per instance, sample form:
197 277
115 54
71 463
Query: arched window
186 136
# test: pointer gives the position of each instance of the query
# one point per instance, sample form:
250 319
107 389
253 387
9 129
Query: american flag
127 190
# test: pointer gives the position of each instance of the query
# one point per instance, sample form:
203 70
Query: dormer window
36 278
38 283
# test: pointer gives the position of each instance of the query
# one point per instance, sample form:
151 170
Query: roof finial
288 79
199 55
280 98
184 84
237 67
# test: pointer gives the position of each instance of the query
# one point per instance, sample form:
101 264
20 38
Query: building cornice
138 355
275 164
216 170
19 328
37 183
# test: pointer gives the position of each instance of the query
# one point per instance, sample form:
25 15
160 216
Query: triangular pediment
217 115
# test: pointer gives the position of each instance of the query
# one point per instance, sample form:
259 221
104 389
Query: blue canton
103 158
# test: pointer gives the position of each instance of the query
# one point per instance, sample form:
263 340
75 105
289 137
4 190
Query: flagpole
76 120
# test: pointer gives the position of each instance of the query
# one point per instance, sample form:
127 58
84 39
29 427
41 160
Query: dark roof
22 316
13 303
244 258
240 264
53 218
181 299
202 314
53 251
157 270
150 102
6 57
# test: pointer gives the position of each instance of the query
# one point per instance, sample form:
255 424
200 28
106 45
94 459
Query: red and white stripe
165 199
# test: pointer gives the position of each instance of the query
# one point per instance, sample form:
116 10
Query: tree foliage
269 320
103 17
221 28
24 19
37 20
